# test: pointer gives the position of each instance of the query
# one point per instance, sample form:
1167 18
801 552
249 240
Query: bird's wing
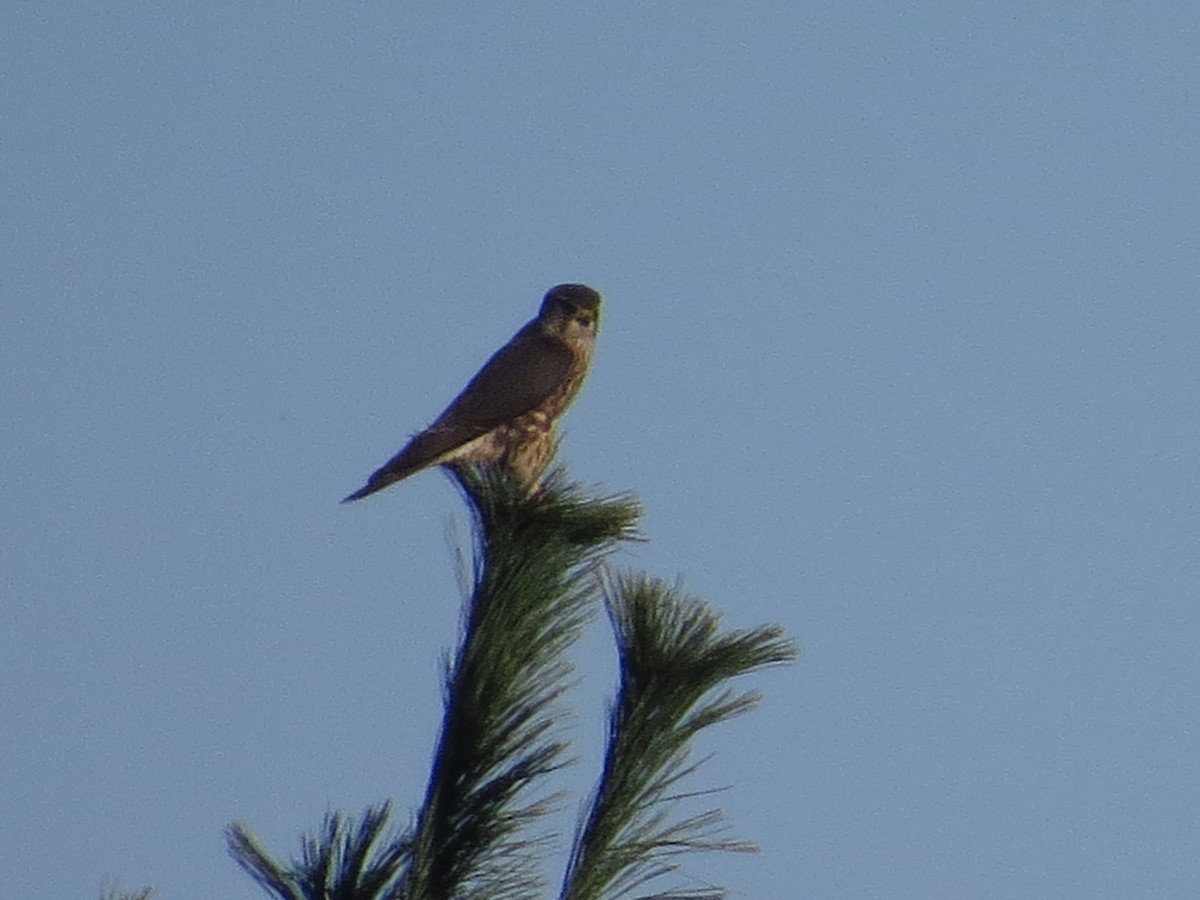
518 378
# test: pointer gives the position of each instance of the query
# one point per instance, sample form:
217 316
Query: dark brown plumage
507 414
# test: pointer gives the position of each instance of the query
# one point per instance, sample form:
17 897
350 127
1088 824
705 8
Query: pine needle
535 584
674 662
341 861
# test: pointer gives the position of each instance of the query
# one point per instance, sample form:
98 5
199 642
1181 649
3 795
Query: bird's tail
398 467
364 491
376 482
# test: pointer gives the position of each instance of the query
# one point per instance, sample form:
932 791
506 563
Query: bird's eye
566 305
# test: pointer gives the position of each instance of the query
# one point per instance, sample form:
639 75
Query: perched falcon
506 415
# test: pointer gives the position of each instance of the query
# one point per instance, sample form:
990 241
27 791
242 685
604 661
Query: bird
507 413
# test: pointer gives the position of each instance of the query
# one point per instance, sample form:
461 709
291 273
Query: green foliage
341 862
536 578
673 663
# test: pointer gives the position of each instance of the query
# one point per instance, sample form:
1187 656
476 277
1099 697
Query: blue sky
899 351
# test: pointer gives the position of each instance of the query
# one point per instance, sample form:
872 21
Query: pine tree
539 571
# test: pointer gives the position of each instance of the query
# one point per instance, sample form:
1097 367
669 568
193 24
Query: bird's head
570 311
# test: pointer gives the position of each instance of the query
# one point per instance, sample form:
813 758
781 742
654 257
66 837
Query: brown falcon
507 414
